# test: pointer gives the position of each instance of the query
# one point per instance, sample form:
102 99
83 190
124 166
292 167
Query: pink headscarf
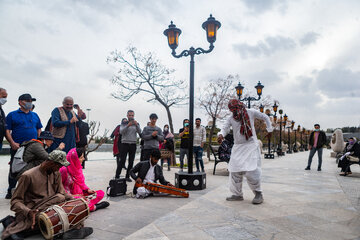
74 170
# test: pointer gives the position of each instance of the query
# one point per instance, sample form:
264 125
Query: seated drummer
148 171
38 189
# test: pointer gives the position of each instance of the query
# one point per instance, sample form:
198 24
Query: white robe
245 154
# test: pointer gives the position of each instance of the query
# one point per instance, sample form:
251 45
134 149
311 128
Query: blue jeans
183 152
198 152
311 155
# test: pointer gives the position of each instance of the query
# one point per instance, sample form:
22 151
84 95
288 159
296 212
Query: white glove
341 158
347 154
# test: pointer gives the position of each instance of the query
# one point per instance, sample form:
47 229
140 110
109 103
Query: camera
76 105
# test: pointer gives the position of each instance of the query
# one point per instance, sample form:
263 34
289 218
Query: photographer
184 134
128 132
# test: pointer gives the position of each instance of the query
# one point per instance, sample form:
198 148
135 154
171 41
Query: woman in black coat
352 148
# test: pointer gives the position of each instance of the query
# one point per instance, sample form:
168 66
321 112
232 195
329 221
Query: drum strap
63 217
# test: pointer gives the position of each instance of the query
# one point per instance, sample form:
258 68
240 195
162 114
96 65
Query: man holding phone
128 132
184 134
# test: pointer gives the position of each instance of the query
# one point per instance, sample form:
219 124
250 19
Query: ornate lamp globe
172 34
259 87
239 89
261 108
211 26
275 107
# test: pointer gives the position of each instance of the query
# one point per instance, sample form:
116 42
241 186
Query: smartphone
76 105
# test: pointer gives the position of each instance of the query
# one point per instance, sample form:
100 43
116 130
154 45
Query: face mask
351 142
317 130
166 129
3 101
28 105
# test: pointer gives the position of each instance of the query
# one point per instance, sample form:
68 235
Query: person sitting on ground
74 181
352 148
37 151
225 148
148 171
38 189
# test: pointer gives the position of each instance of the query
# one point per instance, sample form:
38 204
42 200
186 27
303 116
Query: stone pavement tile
229 232
148 232
172 224
311 233
190 235
332 214
347 232
259 229
279 236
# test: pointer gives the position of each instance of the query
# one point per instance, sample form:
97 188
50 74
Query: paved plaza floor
298 204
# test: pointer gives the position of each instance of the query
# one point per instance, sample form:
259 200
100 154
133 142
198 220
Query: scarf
349 146
75 172
240 114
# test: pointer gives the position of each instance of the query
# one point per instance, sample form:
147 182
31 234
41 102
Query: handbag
165 154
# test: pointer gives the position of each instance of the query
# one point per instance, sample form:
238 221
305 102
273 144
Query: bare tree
94 130
214 99
143 73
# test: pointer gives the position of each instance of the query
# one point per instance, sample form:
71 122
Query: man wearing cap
3 100
21 125
152 135
65 122
38 189
37 151
317 140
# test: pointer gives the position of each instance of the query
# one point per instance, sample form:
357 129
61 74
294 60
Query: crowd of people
45 166
153 138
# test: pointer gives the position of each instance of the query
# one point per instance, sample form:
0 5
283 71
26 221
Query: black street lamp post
239 91
189 180
270 155
289 138
279 149
301 149
295 143
306 140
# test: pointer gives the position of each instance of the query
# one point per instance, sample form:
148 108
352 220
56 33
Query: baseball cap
26 96
59 157
46 135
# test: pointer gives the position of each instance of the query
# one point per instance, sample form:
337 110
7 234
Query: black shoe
307 168
101 205
16 237
78 233
8 196
128 179
6 221
319 169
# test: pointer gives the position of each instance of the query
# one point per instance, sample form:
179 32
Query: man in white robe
245 157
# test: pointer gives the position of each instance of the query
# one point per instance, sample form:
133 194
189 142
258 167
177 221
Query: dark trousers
312 153
11 178
168 162
126 148
198 152
146 154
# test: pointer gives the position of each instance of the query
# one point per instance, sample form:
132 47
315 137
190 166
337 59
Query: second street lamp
239 91
189 180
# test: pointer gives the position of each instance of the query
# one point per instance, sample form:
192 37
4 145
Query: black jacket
321 139
140 170
354 150
2 124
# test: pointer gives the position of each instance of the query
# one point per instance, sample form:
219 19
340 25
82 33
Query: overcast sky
305 53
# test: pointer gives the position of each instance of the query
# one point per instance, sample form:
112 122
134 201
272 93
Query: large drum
60 218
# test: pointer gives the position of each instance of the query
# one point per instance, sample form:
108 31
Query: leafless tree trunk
214 99
94 129
143 73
